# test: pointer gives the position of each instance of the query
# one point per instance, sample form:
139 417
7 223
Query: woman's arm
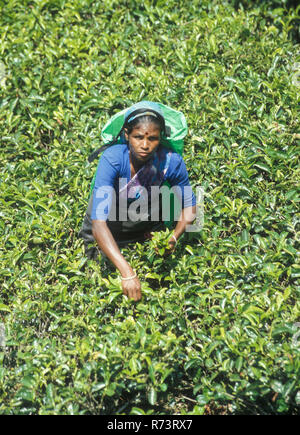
178 178
108 245
187 216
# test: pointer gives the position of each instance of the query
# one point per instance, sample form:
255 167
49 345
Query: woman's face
143 141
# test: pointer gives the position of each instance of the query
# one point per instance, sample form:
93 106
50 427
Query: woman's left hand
172 245
170 249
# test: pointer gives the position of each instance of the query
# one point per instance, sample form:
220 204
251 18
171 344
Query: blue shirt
114 165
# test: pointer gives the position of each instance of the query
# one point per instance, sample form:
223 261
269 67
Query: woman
123 208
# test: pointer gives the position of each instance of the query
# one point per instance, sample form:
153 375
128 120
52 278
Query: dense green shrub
217 329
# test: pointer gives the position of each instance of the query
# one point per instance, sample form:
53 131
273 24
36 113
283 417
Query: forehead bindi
147 129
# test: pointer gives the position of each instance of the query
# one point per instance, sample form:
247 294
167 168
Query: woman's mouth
143 155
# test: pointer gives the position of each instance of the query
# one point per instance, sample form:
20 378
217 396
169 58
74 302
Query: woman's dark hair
143 120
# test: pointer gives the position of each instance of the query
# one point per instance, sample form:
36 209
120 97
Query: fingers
132 289
168 251
136 295
171 247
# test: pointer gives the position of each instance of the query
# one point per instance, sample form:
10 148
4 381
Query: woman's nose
145 144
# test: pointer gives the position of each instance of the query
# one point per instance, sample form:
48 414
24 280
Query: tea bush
217 328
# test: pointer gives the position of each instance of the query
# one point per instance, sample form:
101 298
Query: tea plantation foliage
217 329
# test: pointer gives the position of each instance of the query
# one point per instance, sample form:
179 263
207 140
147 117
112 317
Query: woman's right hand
108 245
132 288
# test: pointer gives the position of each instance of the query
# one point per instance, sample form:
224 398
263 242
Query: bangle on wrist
130 277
